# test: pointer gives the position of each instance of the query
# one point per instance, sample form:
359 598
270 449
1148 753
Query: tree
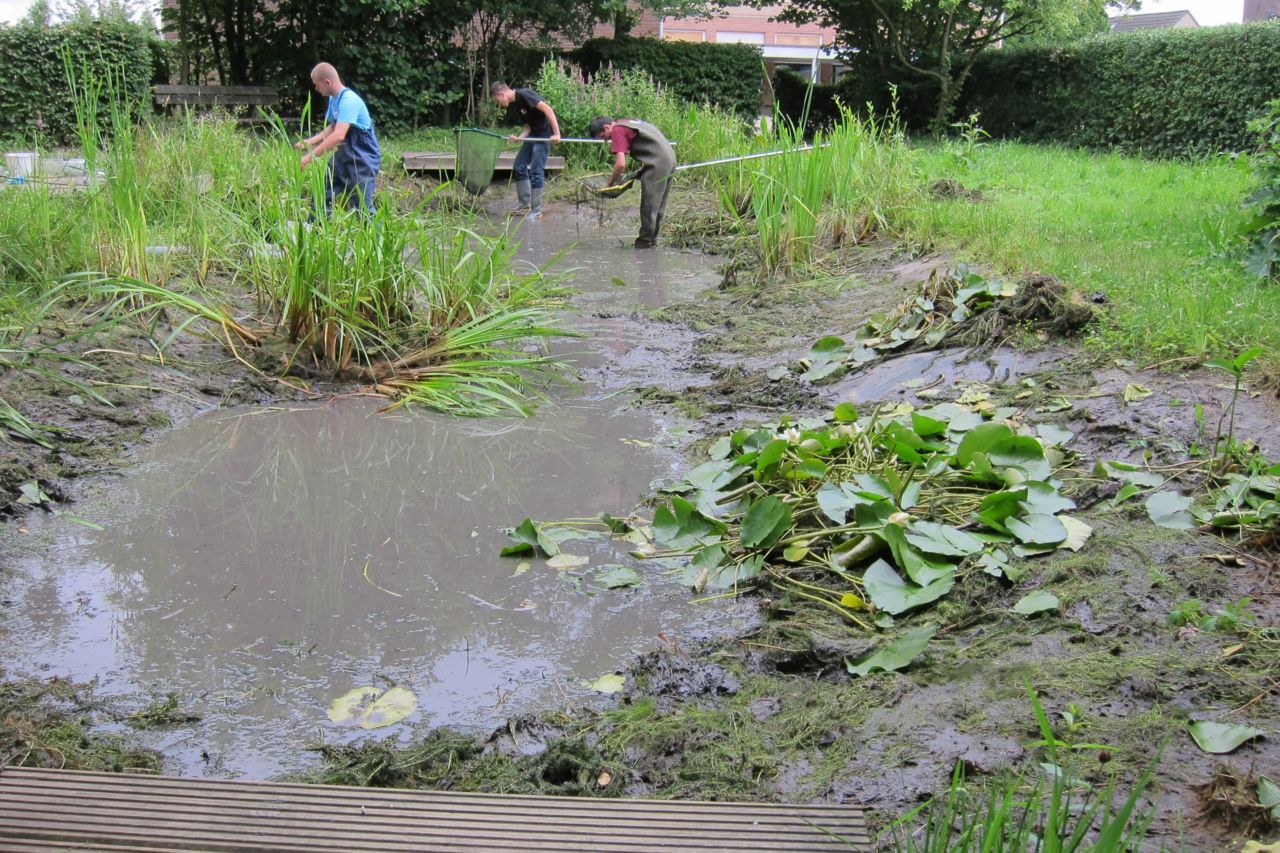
927 48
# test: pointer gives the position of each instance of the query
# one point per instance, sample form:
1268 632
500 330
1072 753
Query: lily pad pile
878 513
945 301
1247 503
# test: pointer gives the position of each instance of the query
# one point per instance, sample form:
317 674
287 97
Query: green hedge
35 99
727 75
1160 92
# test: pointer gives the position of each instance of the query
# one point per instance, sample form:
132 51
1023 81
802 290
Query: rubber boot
522 199
535 202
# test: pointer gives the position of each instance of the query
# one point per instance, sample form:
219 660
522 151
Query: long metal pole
748 157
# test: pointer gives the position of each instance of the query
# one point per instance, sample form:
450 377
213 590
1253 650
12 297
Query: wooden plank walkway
440 161
70 809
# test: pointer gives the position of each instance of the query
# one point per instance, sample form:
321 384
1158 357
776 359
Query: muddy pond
258 563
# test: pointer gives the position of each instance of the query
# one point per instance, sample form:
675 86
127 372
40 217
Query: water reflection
267 561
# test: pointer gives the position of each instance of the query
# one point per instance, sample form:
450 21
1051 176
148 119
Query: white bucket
21 164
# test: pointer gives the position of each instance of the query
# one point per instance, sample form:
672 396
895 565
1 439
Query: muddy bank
771 712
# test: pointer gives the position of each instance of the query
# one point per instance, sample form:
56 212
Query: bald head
324 71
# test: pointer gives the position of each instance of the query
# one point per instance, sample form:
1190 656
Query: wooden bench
70 809
441 162
250 103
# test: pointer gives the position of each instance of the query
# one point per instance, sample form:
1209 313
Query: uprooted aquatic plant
871 516
960 307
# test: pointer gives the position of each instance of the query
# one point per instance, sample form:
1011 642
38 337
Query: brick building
805 49
1261 10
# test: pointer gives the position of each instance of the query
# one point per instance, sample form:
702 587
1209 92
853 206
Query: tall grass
192 221
702 132
1152 237
1019 813
856 179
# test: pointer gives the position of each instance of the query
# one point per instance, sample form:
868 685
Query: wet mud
760 708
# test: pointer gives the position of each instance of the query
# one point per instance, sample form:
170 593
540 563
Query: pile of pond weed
52 723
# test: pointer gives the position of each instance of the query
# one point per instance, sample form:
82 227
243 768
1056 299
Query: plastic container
21 164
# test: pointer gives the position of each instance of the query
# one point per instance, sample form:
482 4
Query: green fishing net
478 152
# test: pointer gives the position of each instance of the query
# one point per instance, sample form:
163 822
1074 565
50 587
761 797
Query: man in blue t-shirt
531 161
348 132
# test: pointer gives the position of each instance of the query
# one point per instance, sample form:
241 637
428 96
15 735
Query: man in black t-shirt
531 161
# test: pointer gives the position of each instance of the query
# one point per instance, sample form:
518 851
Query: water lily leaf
922 569
979 440
895 655
765 522
1220 738
611 683
1127 473
567 562
32 494
1133 392
1036 602
795 552
935 538
1054 434
1020 451
616 525
1171 510
720 448
1078 532
835 501
826 359
681 525
529 540
769 457
852 602
1044 498
997 507
996 563
890 593
872 486
1126 491
778 371
845 413
1269 795
616 577
371 708
1054 404
925 426
1037 529
714 475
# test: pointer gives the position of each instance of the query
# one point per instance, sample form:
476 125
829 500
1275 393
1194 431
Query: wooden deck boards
62 810
440 161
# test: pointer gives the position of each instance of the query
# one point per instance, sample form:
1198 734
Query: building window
798 39
804 69
684 35
733 37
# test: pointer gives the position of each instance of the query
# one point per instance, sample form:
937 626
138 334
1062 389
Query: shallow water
259 563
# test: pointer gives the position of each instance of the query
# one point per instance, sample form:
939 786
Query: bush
790 91
726 75
701 133
1262 228
35 98
1162 92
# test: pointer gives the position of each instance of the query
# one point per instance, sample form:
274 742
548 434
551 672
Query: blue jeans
531 163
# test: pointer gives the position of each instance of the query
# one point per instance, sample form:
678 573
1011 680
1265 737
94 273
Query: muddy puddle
259 563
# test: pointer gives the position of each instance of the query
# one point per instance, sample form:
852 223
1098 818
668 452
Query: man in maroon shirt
646 144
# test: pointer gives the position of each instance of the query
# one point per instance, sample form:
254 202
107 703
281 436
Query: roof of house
1153 20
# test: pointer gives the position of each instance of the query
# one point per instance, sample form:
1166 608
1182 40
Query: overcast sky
1207 12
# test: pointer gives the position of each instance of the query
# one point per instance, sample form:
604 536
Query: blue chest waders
353 168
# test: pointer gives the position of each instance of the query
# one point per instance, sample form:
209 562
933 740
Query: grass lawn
1150 235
